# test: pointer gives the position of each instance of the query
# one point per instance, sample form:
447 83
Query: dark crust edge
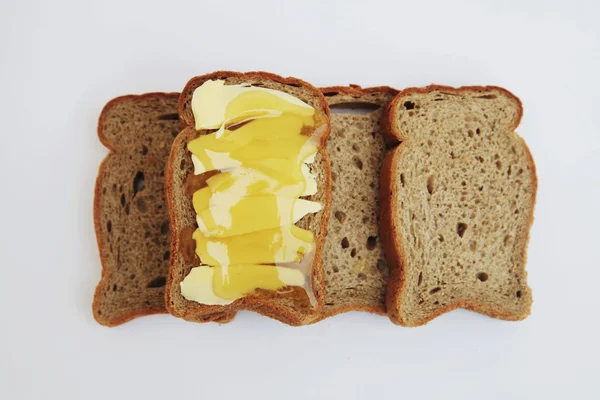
356 91
390 231
264 305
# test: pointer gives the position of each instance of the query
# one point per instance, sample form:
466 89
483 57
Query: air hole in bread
381 265
293 84
362 276
157 282
441 238
355 107
409 105
518 293
478 131
506 239
182 164
461 228
420 280
371 242
122 199
144 150
329 94
509 171
498 164
435 290
402 179
358 162
345 243
340 216
114 290
482 276
109 226
336 269
373 134
132 276
353 253
138 183
167 255
164 228
127 209
487 97
430 183
470 133
169 117
355 147
473 245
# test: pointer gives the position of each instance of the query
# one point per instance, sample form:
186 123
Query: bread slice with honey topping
130 213
355 269
291 305
457 200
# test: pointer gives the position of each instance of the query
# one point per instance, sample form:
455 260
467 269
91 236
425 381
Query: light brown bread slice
355 269
130 213
290 306
457 204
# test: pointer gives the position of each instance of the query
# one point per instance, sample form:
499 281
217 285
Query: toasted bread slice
130 212
292 306
457 200
355 269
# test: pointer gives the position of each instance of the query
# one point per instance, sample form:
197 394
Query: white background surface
61 61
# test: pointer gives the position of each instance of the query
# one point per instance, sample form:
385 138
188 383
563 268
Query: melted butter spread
246 237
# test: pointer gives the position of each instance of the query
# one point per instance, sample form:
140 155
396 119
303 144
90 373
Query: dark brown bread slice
130 213
281 306
355 269
457 204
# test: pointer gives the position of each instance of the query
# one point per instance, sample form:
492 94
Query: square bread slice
130 212
290 306
457 200
355 269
